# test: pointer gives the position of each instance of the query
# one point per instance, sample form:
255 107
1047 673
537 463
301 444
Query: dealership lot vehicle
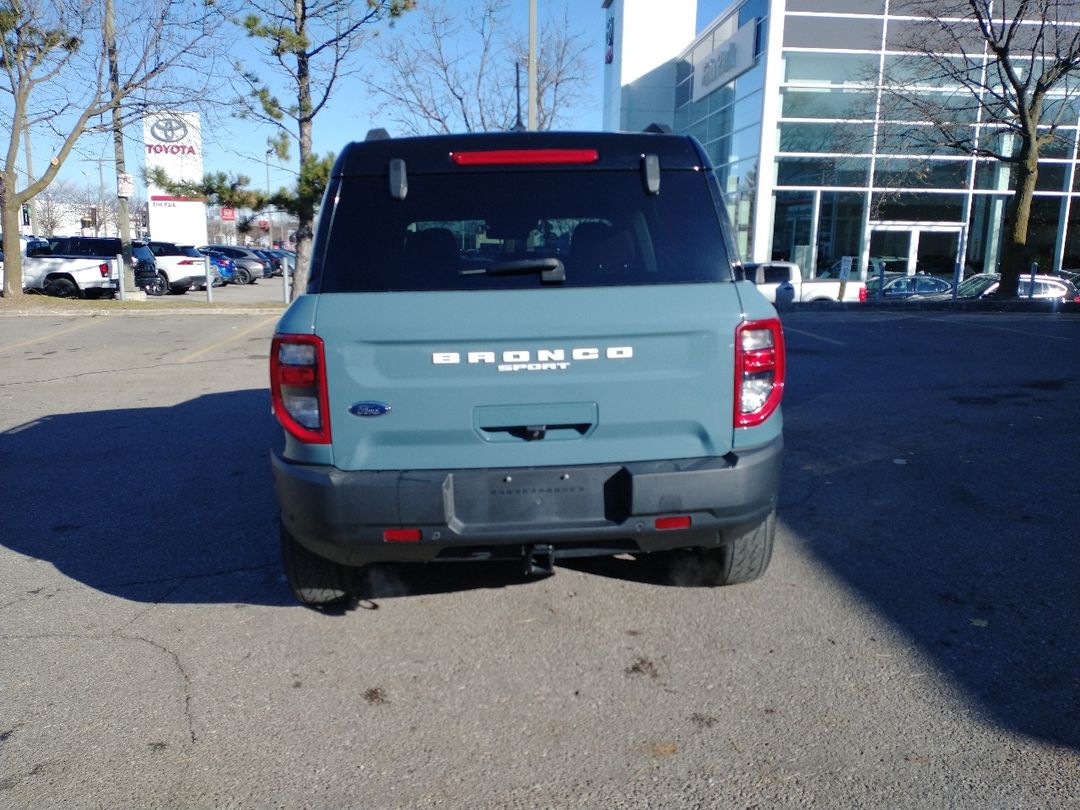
783 282
181 267
250 266
899 287
522 415
984 285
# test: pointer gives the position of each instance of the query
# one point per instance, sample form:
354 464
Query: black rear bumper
580 510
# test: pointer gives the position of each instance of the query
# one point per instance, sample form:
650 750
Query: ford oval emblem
369 409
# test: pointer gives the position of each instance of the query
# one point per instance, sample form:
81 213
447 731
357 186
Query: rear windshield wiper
551 269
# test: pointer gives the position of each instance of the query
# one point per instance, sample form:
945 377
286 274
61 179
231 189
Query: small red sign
228 214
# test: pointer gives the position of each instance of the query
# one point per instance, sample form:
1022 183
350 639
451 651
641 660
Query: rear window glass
478 231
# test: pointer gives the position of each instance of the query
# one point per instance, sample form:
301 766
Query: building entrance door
915 248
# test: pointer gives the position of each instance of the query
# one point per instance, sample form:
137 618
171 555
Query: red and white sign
174 143
228 214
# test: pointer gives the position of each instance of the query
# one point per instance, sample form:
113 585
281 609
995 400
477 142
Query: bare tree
311 44
455 72
1012 66
55 68
56 206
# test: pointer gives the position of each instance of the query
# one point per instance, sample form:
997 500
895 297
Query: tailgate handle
535 433
532 423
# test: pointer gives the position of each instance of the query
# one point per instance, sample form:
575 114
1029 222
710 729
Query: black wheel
243 276
743 559
315 581
62 288
157 285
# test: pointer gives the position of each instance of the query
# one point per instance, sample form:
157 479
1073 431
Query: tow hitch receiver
540 560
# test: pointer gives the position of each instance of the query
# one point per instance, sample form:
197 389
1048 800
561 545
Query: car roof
433 154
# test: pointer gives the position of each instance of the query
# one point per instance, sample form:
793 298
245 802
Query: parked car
224 267
783 283
250 266
984 285
899 287
273 259
436 409
288 259
180 266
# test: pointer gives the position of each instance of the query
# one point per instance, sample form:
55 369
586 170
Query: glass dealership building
785 96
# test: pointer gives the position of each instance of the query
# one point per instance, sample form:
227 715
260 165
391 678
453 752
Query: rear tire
315 581
62 288
243 276
744 559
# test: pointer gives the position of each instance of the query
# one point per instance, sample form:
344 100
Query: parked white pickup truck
783 283
67 274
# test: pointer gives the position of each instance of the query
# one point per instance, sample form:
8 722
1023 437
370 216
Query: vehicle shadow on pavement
948 506
152 504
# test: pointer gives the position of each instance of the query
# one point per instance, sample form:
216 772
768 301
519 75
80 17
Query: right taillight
862 294
298 387
759 371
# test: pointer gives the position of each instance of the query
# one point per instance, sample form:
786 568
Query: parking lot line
82 325
260 325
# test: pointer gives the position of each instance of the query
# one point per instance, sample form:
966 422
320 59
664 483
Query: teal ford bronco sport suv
529 345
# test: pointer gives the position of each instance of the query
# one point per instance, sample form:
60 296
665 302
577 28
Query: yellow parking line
260 325
85 323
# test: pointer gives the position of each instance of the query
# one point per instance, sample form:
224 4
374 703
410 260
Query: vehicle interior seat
599 247
432 248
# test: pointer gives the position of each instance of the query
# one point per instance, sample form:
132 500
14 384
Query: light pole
269 216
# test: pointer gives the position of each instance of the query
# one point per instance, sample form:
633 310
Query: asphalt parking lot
916 642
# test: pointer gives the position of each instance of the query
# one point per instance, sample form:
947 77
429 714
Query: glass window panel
1062 146
1063 111
830 68
930 36
746 143
1072 238
752 9
992 175
719 99
919 173
931 71
1051 177
832 32
947 105
824 171
751 81
682 94
826 137
720 151
792 217
916 207
906 139
683 70
720 124
842 6
748 111
839 226
807 103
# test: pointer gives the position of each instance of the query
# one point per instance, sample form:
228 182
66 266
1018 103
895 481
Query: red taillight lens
759 371
105 270
298 387
673 522
862 294
401 535
519 157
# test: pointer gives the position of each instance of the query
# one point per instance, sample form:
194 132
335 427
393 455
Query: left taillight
105 270
298 387
759 371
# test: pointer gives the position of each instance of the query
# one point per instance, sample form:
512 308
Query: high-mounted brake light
298 387
759 371
522 157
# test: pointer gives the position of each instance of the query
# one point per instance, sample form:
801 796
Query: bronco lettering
522 359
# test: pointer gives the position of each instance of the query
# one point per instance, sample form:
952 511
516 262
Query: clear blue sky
239 147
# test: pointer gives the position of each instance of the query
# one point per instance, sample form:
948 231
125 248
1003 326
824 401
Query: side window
776 275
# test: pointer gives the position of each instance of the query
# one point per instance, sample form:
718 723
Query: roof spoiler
657 128
377 134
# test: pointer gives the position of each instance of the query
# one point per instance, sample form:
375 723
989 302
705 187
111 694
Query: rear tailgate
560 377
